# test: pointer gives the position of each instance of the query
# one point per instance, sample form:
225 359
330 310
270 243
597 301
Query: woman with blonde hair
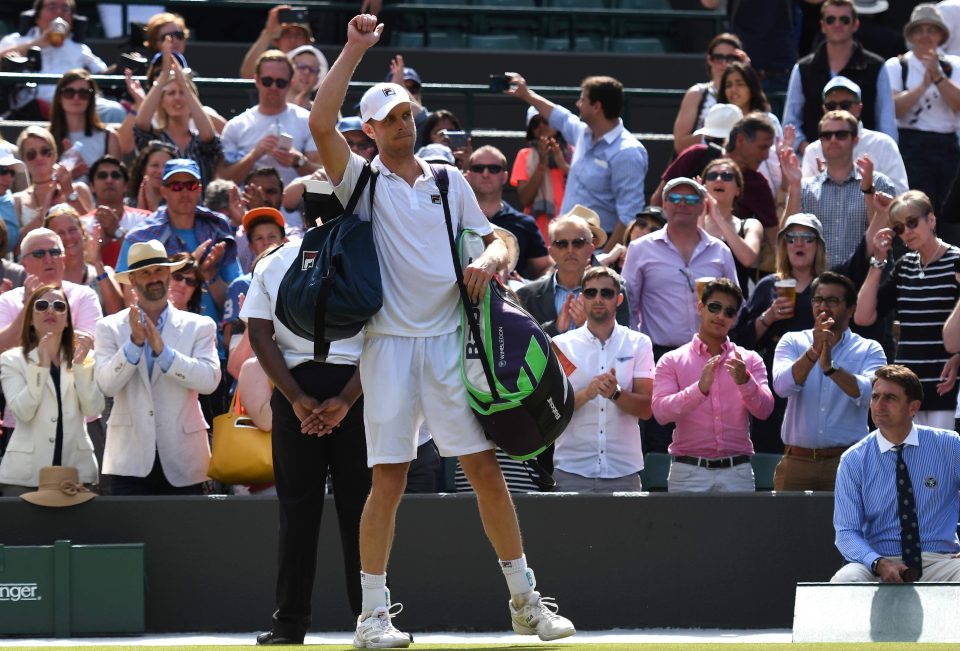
50 183
176 102
74 123
50 391
82 260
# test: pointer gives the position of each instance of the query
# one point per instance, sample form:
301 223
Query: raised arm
363 32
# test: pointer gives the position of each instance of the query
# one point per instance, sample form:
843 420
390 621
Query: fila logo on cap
387 92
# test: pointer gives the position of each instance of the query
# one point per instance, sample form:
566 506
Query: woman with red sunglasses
50 183
49 389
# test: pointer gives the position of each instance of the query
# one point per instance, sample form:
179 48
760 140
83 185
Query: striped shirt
923 299
865 498
841 209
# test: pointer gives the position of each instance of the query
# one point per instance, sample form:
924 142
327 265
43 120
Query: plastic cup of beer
787 288
701 282
58 32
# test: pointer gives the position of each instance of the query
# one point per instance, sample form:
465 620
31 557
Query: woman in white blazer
50 393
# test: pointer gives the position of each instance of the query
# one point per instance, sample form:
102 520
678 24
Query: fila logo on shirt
435 199
308 259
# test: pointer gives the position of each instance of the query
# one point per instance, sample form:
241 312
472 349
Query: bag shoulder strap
365 175
443 185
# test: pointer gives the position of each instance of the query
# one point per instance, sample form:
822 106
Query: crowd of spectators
741 308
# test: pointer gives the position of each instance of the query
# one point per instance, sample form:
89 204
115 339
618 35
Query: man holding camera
609 163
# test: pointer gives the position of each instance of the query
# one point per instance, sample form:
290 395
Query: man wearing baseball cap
183 225
843 94
416 332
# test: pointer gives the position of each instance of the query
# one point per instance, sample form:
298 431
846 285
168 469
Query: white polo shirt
931 112
261 303
603 440
420 297
243 132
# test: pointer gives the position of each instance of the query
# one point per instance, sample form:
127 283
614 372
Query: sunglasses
688 199
844 20
270 81
605 293
845 105
179 35
70 93
832 301
189 281
806 238
180 186
43 305
839 135
909 223
724 58
4 171
31 154
53 253
303 67
578 243
493 169
716 308
726 177
102 176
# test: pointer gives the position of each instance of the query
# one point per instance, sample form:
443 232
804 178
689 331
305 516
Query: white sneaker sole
521 629
389 644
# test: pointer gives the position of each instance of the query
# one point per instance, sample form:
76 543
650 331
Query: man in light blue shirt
825 374
609 164
882 540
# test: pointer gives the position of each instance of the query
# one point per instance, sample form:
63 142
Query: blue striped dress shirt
865 499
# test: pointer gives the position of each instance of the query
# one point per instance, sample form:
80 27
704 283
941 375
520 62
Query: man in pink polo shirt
709 388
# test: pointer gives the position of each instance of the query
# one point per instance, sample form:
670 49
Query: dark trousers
153 484
301 463
931 161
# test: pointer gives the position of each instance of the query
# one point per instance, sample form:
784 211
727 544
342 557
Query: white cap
377 102
719 121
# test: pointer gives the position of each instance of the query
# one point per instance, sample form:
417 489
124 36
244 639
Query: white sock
520 579
376 594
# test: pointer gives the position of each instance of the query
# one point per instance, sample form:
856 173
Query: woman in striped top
923 289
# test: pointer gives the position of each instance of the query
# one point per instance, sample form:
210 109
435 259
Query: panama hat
146 254
593 220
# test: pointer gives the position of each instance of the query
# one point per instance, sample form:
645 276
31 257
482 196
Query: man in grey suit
154 360
552 300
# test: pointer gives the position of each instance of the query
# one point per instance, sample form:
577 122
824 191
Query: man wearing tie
898 492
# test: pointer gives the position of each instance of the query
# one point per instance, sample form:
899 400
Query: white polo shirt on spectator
881 148
261 303
56 60
931 112
602 440
243 132
420 297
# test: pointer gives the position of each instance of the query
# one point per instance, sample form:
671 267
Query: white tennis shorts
411 380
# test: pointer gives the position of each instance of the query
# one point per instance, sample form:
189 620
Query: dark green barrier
67 590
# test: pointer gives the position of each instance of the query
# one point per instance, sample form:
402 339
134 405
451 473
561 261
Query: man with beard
600 450
154 359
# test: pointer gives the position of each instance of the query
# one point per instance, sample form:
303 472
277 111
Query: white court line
623 636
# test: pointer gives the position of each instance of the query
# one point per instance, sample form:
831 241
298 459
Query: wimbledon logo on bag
19 592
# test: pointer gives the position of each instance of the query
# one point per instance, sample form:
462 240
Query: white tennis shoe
378 632
539 617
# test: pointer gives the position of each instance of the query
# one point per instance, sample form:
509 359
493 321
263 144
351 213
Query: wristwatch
873 565
877 264
615 394
299 162
833 369
871 190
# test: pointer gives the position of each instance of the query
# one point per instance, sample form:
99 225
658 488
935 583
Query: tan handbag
242 452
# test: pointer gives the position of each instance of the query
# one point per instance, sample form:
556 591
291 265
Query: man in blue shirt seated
898 492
